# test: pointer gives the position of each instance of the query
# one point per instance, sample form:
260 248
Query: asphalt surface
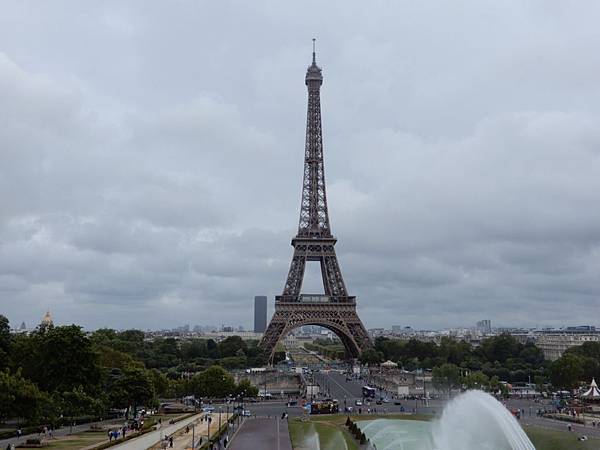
262 434
334 385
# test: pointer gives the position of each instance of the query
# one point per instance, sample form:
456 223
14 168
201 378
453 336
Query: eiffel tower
335 310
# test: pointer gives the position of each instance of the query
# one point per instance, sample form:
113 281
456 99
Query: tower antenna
314 50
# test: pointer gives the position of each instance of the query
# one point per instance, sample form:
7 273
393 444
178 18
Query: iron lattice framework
335 310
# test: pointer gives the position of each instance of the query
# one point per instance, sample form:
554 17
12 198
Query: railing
315 299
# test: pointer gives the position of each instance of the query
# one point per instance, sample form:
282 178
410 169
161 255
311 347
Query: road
262 434
334 385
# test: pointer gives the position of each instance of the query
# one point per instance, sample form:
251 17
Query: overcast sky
151 158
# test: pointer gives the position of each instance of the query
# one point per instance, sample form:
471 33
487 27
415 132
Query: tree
500 348
231 345
133 388
212 382
476 380
567 371
160 382
77 402
110 358
246 389
371 356
20 397
5 341
446 377
58 359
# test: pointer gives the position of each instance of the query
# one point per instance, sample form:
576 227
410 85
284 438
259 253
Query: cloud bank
151 159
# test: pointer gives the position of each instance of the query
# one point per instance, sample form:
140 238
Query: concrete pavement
149 439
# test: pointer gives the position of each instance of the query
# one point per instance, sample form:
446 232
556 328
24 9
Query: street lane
262 434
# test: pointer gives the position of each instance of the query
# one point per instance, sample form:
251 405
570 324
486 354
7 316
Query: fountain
473 420
476 420
311 441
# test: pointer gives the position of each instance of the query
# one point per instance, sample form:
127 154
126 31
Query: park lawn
329 435
545 439
79 440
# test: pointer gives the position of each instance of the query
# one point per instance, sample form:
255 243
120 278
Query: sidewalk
150 439
198 430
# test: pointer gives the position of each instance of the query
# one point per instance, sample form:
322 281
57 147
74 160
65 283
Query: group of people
167 442
116 434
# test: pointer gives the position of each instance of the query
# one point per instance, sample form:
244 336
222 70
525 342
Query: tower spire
314 217
314 51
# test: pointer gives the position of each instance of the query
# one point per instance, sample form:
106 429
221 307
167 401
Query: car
358 403
379 402
386 400
246 413
398 403
208 409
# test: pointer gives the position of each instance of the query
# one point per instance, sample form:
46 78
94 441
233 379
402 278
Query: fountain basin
473 420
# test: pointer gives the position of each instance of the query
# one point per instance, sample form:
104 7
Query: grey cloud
151 159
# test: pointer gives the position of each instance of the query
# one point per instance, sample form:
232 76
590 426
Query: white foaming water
472 421
311 439
477 421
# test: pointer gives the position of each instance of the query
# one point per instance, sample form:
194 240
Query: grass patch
545 439
79 440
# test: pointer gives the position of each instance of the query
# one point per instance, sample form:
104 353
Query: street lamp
220 412
193 435
209 421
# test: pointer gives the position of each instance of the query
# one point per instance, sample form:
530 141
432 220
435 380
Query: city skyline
147 167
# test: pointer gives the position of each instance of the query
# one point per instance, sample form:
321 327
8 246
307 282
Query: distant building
396 328
260 314
47 320
23 327
484 326
554 343
374 332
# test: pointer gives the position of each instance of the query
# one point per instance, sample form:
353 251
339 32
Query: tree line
497 358
63 372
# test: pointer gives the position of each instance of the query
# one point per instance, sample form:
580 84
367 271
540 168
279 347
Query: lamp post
227 419
220 412
193 436
209 421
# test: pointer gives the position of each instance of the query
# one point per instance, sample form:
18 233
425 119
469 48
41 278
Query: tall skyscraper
260 314
484 326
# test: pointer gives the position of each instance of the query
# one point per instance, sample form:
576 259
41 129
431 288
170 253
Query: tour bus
324 407
368 392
